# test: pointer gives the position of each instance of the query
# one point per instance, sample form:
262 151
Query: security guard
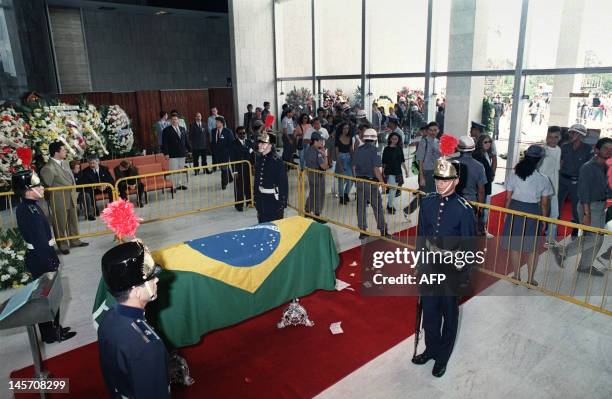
446 223
271 183
133 358
40 256
367 165
316 159
474 187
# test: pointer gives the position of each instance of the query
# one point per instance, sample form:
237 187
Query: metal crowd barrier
570 277
295 196
567 282
7 211
176 193
317 187
311 194
67 205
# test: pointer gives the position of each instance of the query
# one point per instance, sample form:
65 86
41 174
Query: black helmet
24 180
128 265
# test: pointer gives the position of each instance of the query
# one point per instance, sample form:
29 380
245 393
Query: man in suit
174 147
251 130
126 169
96 174
248 117
159 127
56 173
82 200
242 151
222 140
265 111
199 137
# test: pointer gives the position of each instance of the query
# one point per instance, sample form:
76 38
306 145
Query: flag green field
223 279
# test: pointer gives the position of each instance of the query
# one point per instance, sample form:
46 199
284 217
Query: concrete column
562 107
252 53
467 47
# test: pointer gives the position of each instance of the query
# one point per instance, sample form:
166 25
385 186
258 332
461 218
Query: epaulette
464 202
33 209
430 196
145 331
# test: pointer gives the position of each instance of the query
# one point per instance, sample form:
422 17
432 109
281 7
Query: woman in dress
528 191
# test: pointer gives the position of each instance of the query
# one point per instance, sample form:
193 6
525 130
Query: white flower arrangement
12 266
47 126
13 134
91 129
119 134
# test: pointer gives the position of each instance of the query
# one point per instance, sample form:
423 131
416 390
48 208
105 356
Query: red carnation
448 144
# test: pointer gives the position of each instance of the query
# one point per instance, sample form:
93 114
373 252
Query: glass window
297 94
340 91
397 35
401 98
568 34
475 35
338 41
293 38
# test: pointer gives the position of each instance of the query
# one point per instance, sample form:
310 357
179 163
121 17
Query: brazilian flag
220 280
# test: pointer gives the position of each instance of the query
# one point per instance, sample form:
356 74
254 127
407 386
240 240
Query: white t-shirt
287 123
551 164
531 189
324 133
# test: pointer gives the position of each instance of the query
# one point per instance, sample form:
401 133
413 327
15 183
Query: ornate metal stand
179 370
295 315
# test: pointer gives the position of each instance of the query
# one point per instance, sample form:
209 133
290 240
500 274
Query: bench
153 183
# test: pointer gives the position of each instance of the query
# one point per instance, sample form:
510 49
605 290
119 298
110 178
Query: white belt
51 243
269 191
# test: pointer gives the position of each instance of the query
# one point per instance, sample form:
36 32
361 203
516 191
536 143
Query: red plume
120 217
269 121
448 144
25 154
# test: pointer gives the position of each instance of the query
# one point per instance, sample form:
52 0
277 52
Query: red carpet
256 360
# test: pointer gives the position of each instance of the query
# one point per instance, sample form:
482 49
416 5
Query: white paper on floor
335 328
340 285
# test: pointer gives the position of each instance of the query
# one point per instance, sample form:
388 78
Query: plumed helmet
24 180
446 170
370 135
266 138
128 265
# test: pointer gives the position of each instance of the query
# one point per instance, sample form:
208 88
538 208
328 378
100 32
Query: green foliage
488 114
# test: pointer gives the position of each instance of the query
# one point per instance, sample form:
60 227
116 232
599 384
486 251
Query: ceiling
171 7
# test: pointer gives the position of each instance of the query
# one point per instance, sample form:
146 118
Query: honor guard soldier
133 358
271 184
40 256
447 225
